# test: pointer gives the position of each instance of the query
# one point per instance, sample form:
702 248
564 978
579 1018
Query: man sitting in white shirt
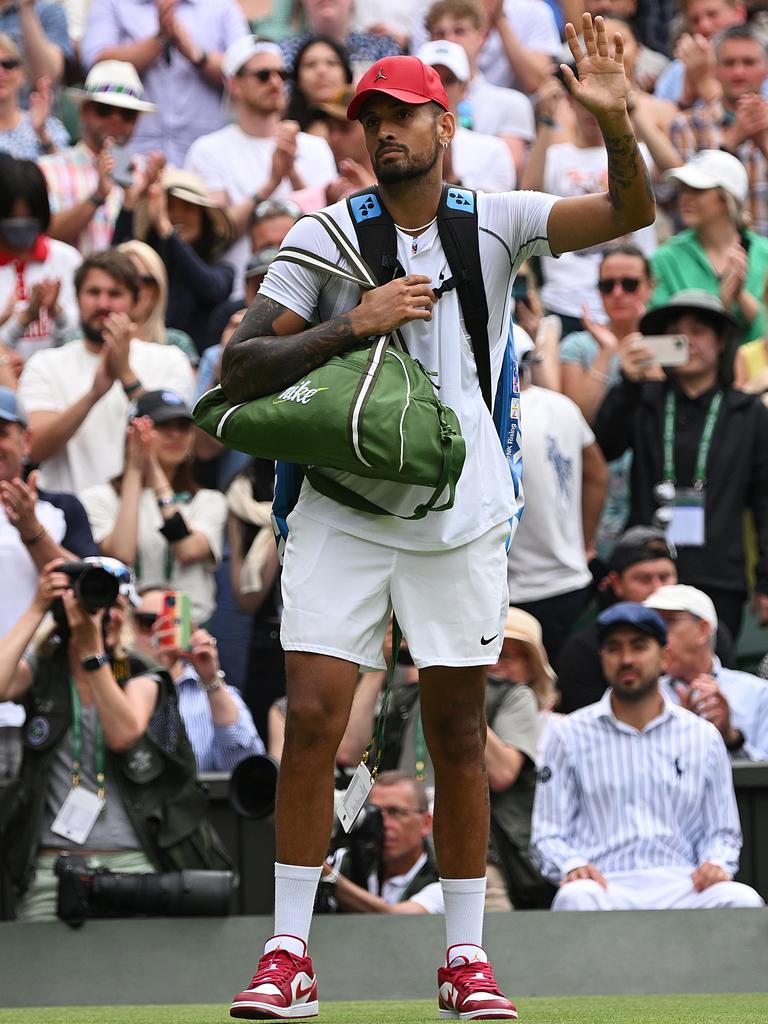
407 880
77 396
736 703
635 807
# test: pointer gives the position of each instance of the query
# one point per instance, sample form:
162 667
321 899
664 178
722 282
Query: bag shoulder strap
458 230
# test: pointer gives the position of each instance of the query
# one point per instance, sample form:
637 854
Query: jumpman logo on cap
380 75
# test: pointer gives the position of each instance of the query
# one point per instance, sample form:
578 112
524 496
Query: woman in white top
154 516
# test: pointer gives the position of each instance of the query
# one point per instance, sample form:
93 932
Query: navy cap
629 613
10 407
161 406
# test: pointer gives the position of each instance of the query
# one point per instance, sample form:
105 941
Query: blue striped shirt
218 748
626 800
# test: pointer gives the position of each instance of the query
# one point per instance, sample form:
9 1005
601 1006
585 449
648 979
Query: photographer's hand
86 633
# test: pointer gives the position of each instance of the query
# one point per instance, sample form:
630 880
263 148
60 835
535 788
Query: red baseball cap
404 78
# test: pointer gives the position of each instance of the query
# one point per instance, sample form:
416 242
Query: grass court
677 1009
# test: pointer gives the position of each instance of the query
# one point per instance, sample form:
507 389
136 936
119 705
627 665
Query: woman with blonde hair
150 310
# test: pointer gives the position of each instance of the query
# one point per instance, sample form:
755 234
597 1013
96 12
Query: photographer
700 451
89 759
403 876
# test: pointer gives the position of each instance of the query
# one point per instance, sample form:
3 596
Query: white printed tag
77 815
354 797
687 528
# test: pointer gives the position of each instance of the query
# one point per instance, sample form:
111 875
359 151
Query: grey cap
259 263
692 300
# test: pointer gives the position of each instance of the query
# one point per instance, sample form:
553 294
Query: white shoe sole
266 1011
478 1015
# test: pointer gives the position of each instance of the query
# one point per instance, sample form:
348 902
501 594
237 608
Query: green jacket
156 779
681 263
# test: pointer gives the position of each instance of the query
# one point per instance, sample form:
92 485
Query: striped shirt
626 800
72 177
702 127
218 748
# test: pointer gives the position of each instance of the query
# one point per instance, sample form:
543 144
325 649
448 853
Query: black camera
95 587
253 786
85 893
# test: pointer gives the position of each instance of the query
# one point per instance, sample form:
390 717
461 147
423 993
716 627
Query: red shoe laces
478 977
277 970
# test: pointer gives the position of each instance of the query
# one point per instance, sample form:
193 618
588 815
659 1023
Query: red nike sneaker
284 986
468 990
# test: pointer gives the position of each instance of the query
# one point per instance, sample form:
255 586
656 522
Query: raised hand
284 155
105 165
19 500
601 86
157 210
734 276
40 105
602 334
118 330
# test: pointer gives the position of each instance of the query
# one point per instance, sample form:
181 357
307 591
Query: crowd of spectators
153 156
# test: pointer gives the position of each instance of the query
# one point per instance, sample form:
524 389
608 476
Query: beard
92 332
637 693
410 167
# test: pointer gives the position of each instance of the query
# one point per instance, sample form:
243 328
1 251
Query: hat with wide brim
116 83
522 626
692 300
190 188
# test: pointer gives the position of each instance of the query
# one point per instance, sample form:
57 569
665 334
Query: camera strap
100 752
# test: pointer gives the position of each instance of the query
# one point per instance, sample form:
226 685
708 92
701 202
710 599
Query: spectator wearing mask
77 396
335 19
474 160
522 44
216 720
25 134
699 451
655 778
736 120
150 310
565 484
39 30
89 700
715 252
179 51
321 73
154 516
590 365
484 108
691 75
85 198
642 561
259 156
189 230
36 271
736 703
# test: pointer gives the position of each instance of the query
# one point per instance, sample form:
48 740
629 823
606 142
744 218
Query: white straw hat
117 83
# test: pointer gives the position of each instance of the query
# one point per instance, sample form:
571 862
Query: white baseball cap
449 55
677 597
713 168
240 52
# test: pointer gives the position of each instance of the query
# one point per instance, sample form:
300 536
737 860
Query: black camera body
94 586
87 893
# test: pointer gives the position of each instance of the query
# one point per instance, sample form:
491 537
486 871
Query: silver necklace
422 228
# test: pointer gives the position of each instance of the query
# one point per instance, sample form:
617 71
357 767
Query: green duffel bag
372 411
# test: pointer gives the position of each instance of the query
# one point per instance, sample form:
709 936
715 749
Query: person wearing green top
716 252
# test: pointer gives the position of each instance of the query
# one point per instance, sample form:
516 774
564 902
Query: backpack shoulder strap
458 229
376 235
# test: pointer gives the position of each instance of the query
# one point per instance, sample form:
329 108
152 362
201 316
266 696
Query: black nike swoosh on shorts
485 642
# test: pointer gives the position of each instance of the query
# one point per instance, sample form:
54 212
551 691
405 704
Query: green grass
714 1009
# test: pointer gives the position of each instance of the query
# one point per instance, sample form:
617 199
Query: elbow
501 779
127 738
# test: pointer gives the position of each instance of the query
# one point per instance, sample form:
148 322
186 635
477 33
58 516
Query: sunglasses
628 284
145 621
107 110
264 74
10 63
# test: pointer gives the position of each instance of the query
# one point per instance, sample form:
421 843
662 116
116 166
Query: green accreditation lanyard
702 456
420 747
380 734
100 755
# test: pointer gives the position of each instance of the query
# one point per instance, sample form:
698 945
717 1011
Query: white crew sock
295 888
464 906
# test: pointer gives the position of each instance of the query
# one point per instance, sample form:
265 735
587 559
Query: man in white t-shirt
522 45
484 107
445 575
477 160
259 156
77 396
566 481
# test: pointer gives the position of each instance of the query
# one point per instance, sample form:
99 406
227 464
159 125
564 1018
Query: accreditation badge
77 815
354 797
687 524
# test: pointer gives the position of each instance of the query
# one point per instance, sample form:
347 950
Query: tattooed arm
582 221
273 347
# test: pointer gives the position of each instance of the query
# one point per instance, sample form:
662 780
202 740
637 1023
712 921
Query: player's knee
457 743
734 894
581 894
312 722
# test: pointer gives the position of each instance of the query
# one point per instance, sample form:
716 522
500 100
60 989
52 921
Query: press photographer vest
156 778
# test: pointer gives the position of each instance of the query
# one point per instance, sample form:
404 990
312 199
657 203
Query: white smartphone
668 349
122 172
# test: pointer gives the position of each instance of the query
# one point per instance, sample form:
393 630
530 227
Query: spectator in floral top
25 134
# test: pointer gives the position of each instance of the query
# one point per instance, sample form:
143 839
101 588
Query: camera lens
96 589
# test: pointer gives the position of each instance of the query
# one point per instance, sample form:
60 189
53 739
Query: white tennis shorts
338 591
